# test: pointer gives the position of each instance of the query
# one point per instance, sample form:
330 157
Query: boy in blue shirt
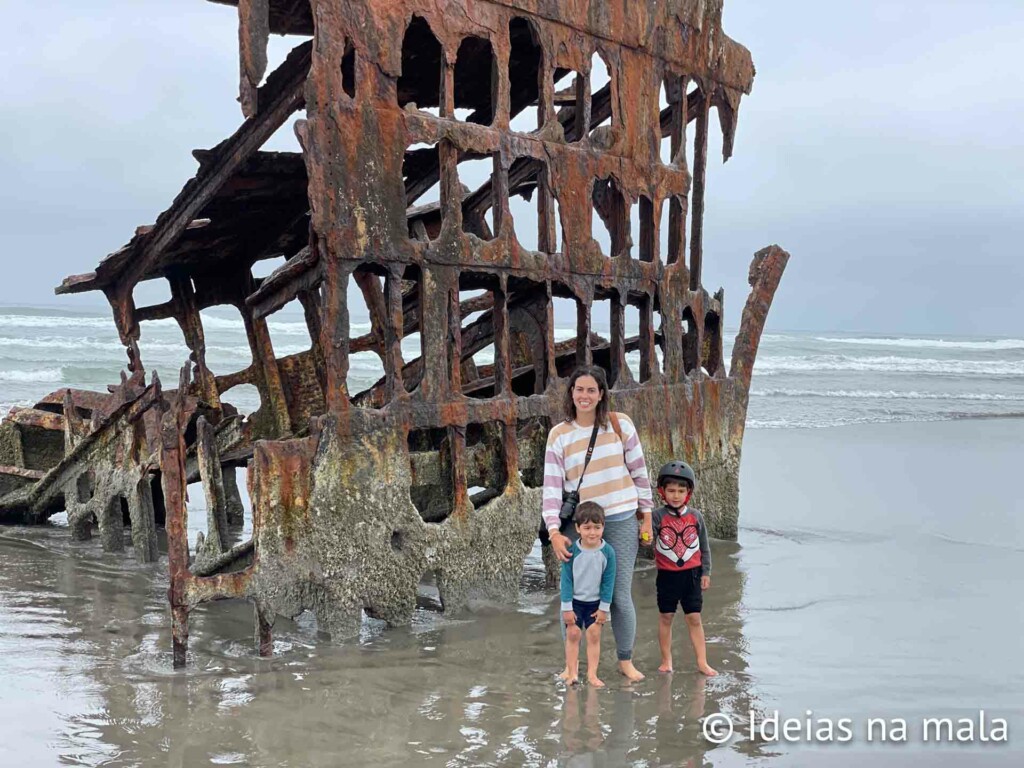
588 582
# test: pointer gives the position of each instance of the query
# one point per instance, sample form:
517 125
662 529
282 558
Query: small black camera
569 501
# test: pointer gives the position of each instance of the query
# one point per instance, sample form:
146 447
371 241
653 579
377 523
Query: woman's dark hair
598 374
589 512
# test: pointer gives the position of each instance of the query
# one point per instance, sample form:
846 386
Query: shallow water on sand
878 574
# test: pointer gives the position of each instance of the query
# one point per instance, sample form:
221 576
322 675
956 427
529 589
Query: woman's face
586 394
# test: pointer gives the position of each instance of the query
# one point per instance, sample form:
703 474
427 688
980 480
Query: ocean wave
54 321
858 394
993 345
39 375
889 364
823 422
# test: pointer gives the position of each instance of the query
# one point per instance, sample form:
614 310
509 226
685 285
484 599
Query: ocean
801 379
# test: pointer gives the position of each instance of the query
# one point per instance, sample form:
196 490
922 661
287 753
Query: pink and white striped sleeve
554 480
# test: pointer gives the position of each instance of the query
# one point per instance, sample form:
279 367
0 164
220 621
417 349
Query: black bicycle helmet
679 471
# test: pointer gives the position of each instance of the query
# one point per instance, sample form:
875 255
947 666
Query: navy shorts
679 588
585 612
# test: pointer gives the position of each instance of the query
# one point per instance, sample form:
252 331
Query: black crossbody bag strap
586 461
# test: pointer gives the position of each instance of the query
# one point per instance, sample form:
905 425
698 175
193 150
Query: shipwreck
436 468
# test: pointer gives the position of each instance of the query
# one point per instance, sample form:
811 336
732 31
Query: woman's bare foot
595 681
631 673
564 675
666 667
706 669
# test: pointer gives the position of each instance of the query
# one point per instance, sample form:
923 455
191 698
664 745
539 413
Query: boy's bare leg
572 654
696 628
594 654
665 640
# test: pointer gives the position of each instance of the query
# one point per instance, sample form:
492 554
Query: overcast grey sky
882 146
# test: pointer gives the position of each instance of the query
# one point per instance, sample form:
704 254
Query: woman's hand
646 529
560 545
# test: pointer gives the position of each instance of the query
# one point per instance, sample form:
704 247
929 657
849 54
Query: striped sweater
615 479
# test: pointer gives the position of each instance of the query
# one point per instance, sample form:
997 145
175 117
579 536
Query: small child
588 581
683 559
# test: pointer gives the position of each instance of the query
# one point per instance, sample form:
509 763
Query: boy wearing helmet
683 559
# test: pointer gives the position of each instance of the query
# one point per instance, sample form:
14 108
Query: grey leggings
622 536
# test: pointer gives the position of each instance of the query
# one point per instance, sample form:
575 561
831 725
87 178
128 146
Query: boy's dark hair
589 512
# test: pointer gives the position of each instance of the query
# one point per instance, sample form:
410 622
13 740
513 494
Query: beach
877 574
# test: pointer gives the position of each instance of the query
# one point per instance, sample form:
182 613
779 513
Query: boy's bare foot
707 670
631 673
595 681
666 667
564 675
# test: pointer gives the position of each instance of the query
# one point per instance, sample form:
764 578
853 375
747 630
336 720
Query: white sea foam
40 375
889 364
858 394
42 321
911 343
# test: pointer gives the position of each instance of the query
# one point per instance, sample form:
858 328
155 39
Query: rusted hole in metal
430 459
244 396
570 337
531 440
525 67
712 352
421 172
151 293
631 329
125 510
534 208
428 594
422 68
691 351
412 341
478 204
609 220
86 486
397 541
599 339
475 81
477 334
262 268
159 508
648 227
600 78
348 70
485 462
366 351
569 89
673 229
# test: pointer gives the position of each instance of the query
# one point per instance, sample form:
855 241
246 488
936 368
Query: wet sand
878 574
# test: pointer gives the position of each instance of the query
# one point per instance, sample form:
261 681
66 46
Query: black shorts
585 612
679 587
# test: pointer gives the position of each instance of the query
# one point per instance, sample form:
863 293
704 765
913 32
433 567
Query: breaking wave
890 364
993 345
858 394
41 375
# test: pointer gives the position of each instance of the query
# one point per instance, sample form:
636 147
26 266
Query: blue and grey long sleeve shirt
589 575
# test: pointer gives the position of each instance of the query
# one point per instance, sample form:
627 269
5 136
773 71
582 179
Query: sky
881 146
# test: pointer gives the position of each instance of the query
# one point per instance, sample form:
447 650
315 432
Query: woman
616 478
